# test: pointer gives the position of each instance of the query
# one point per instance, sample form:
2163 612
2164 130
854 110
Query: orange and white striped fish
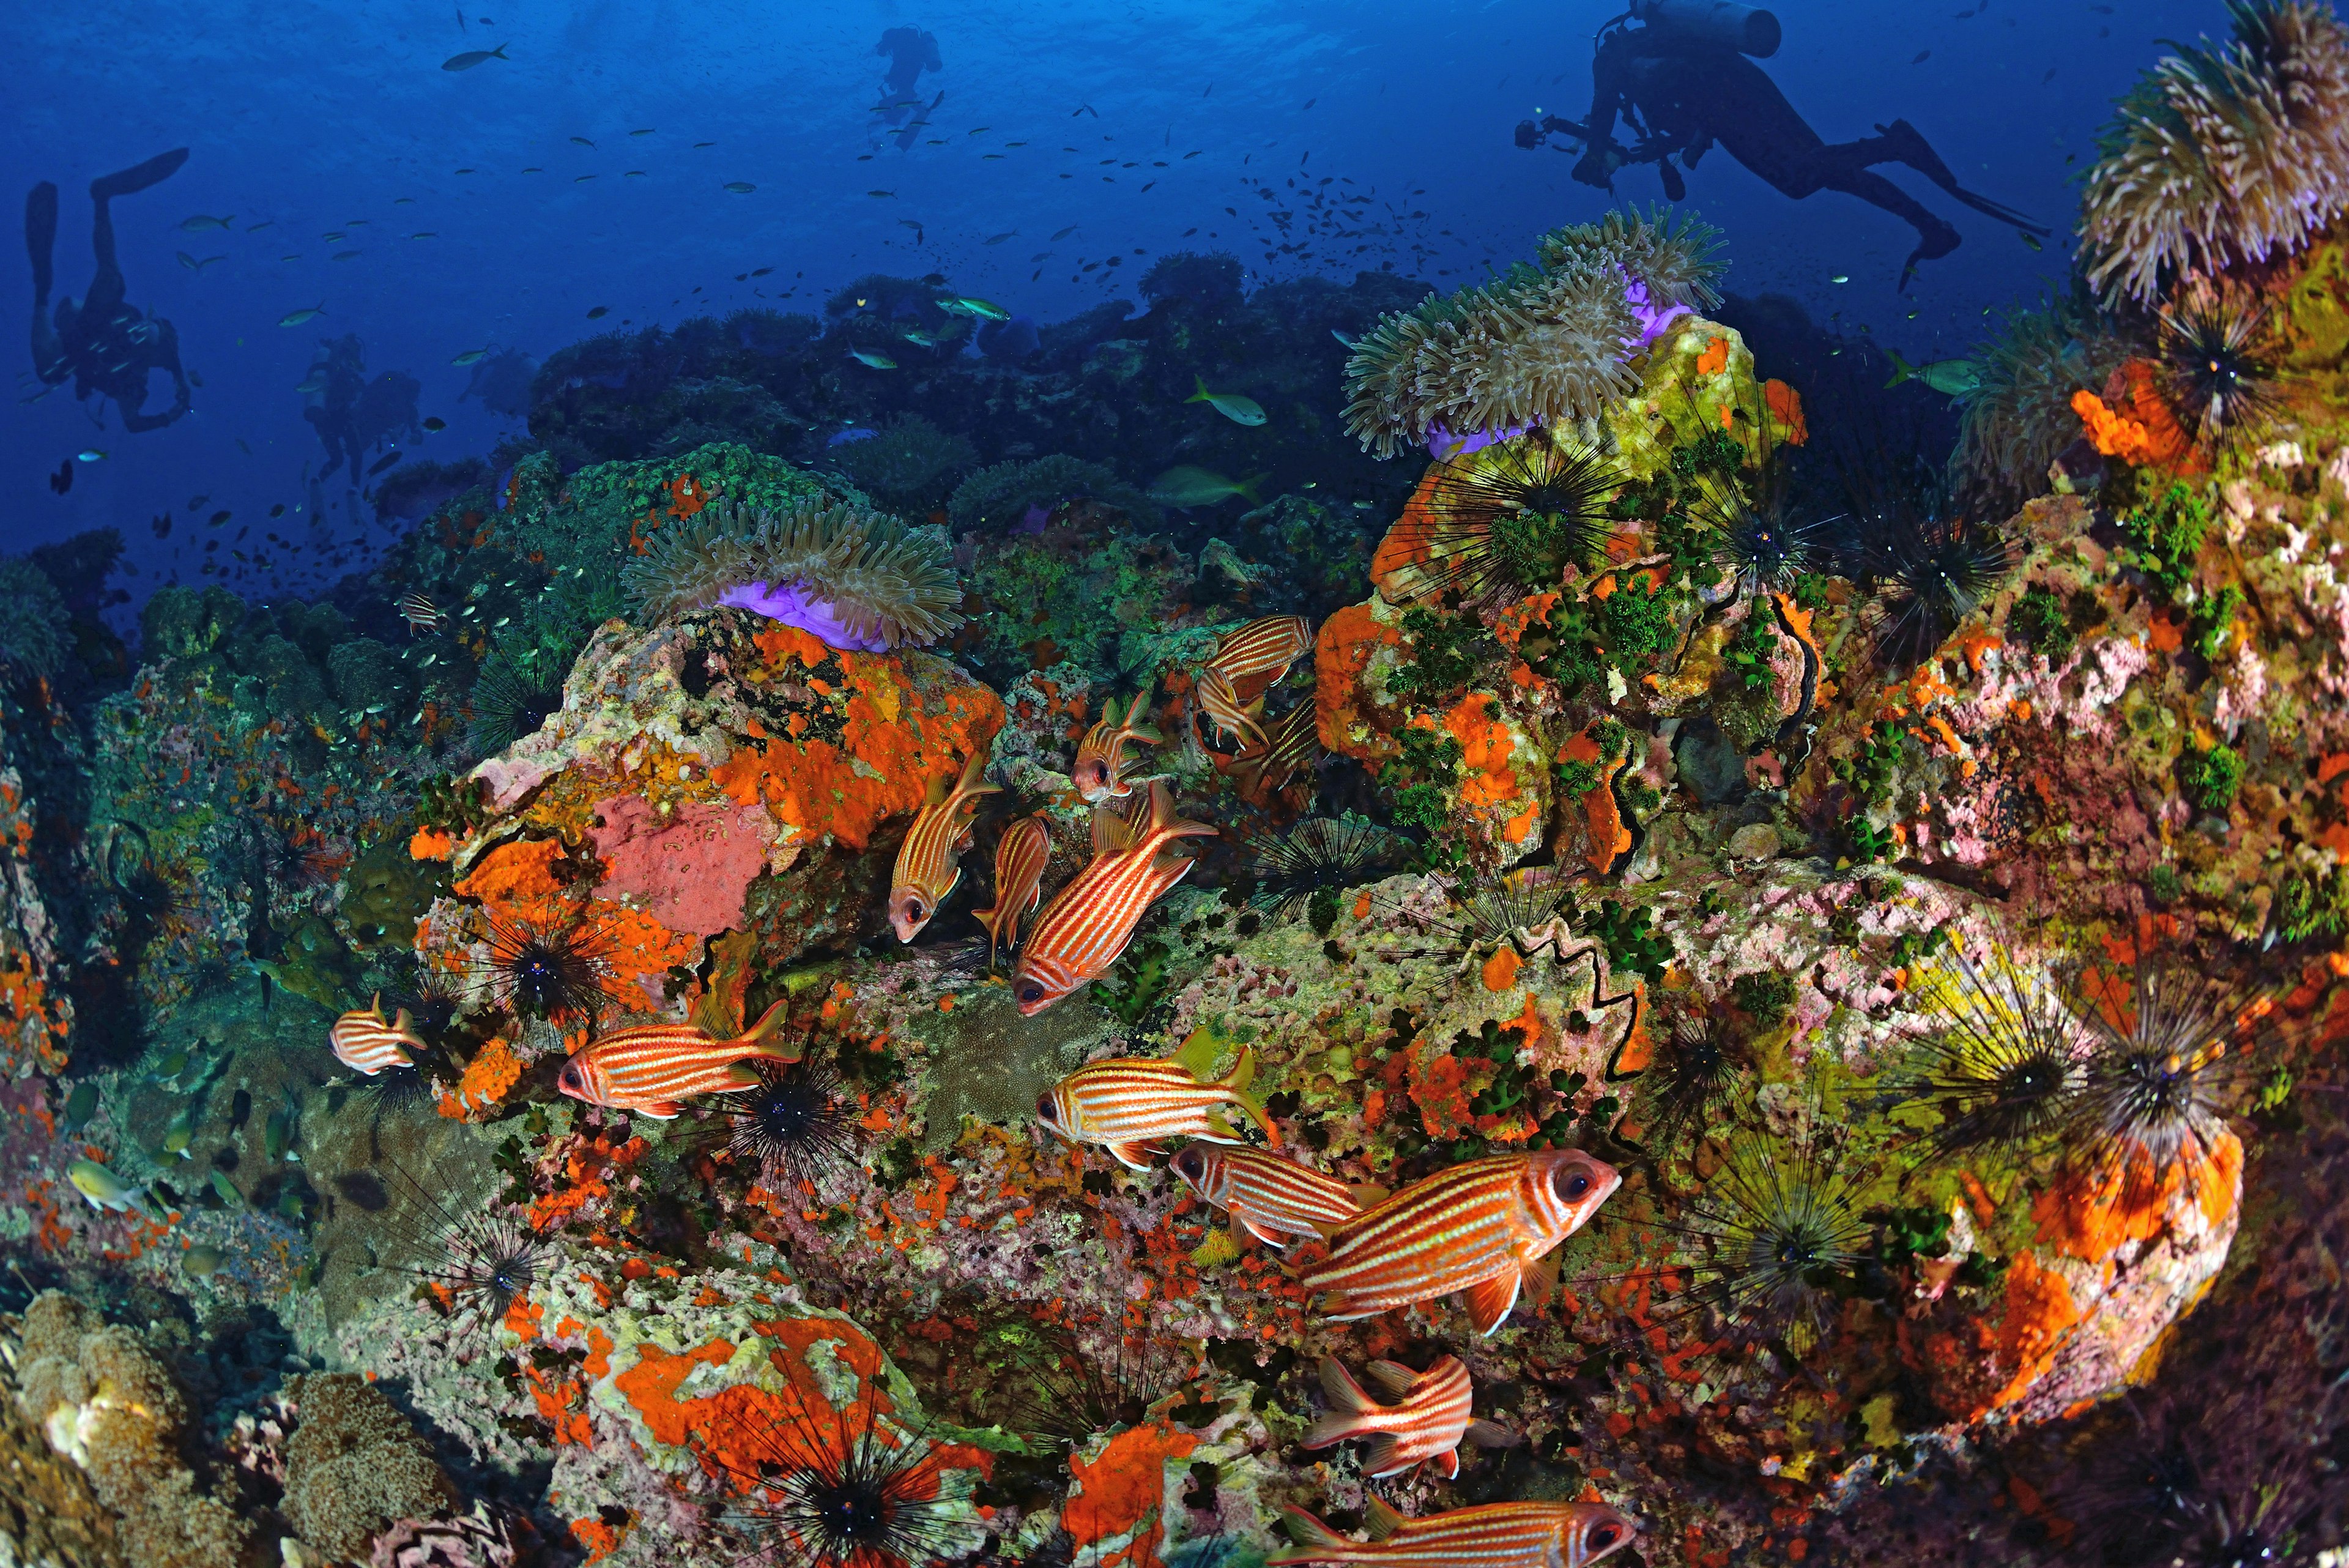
650 1070
365 1043
930 861
1212 694
421 613
1019 861
1088 923
1099 771
1485 1226
1490 1535
1267 647
1427 1421
1291 746
1273 1199
1127 1103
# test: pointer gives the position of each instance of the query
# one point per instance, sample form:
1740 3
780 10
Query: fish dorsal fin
1308 1530
1338 1386
1382 1521
375 1006
1112 831
1490 1300
1244 1070
1392 1379
1198 1052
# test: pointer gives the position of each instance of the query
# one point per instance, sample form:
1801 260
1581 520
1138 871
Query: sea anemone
1318 859
852 577
909 464
1538 345
840 1492
1513 515
550 971
2168 1057
2019 417
2007 1064
2222 155
2214 371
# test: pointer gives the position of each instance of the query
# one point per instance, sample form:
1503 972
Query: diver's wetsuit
106 344
1687 93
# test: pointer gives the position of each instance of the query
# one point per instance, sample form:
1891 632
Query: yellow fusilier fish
1215 696
365 1043
1486 1227
1491 1535
928 861
1099 771
1088 923
1020 861
1127 1103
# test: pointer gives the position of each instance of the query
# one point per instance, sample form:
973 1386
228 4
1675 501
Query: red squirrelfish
650 1070
1485 1226
1019 859
1492 1535
1428 1419
1099 771
1128 1102
928 861
1222 706
1088 923
1267 647
1291 747
365 1043
1268 1198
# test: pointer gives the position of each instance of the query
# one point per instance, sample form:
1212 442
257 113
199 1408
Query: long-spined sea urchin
1511 516
858 578
2007 1064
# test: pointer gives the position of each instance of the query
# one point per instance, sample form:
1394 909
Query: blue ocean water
598 166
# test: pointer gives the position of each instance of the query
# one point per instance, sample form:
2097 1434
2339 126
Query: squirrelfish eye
913 909
1605 1536
1031 992
1189 1165
1045 1106
1572 1183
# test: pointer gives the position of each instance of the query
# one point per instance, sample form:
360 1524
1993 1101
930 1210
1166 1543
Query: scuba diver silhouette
1682 81
106 344
911 52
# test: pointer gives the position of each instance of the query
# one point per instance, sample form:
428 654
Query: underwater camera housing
1748 29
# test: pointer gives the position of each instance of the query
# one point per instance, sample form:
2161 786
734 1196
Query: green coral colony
1777 1003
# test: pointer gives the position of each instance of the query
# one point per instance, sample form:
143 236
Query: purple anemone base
794 605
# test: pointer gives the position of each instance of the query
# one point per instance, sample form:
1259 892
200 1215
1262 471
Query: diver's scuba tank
1748 29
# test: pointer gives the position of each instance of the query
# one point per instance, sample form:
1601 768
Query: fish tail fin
973 781
1381 1519
1246 488
1347 1398
1201 395
1165 823
1382 1456
1308 1530
401 1023
1148 734
1136 708
1901 370
500 53
1250 1106
769 1022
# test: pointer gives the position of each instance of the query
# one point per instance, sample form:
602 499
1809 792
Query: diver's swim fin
41 237
154 171
1908 146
